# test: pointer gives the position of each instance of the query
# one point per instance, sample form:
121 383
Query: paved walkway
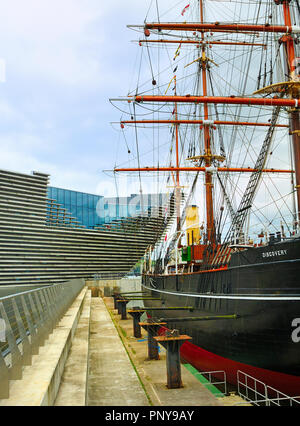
112 381
72 390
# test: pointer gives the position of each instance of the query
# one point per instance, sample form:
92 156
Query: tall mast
290 55
207 140
177 187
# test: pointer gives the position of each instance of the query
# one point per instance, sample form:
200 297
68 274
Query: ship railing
175 236
258 393
26 321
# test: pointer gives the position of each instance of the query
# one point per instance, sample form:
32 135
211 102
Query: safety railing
215 378
258 393
214 381
115 276
26 321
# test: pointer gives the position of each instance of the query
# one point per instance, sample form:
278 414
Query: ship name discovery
274 253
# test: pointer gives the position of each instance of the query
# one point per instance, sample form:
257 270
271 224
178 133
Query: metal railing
250 389
214 379
27 319
114 276
258 393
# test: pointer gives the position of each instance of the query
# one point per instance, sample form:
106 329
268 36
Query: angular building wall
34 249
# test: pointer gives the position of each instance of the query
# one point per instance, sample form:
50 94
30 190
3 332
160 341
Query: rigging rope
246 203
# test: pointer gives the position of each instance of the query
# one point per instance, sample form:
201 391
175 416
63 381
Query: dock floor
112 380
152 373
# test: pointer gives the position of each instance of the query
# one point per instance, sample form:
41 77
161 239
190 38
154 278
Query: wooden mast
177 188
210 233
288 42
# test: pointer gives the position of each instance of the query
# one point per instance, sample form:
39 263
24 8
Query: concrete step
40 381
73 386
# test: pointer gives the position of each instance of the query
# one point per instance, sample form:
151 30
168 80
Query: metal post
34 342
15 370
118 306
38 324
172 345
136 315
116 296
123 311
26 348
43 325
153 348
152 329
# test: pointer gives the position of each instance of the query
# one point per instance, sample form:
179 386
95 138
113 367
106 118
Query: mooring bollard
152 329
172 343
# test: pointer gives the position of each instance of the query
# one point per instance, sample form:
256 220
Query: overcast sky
63 61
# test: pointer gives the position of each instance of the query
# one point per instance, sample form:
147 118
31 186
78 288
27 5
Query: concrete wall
106 287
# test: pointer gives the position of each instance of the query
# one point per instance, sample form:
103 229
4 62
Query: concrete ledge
40 383
73 387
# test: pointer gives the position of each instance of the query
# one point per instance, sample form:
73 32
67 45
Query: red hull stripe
207 361
204 360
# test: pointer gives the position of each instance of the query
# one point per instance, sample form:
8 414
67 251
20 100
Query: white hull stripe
232 297
264 264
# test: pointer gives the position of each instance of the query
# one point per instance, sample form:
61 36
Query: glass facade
80 205
93 210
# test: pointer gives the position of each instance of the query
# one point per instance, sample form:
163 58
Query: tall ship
214 119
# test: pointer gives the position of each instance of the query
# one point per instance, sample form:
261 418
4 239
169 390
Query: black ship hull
260 289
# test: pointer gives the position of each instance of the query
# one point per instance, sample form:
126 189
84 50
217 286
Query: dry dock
121 374
92 358
152 374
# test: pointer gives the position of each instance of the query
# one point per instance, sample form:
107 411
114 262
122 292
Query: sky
60 62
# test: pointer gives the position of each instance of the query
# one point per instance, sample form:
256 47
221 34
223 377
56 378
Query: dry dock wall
107 287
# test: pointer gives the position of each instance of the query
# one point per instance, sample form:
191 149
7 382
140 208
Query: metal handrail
259 393
29 319
214 381
10 296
